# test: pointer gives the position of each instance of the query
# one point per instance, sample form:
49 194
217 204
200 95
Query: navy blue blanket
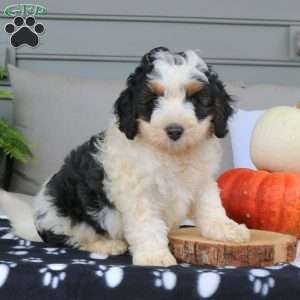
35 271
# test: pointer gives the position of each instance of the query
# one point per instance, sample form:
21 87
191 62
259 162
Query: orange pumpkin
262 200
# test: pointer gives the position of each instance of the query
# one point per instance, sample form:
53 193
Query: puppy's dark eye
201 98
146 104
202 103
149 97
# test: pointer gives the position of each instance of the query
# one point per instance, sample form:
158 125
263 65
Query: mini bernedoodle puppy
152 167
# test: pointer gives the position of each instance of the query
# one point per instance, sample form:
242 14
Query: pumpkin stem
298 105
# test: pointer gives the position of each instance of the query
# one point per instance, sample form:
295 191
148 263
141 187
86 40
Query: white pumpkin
275 141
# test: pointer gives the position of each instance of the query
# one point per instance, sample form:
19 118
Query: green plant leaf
13 143
3 73
6 94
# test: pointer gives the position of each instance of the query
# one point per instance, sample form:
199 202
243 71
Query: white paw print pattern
277 267
208 282
55 251
32 259
5 228
18 252
113 275
11 264
24 244
53 274
82 262
165 278
22 248
10 236
98 256
5 267
262 281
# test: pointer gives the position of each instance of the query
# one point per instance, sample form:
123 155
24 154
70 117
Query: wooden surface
264 249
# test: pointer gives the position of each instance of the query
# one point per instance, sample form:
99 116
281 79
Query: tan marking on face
156 87
193 87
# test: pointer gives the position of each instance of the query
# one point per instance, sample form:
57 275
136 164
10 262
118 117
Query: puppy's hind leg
85 238
113 242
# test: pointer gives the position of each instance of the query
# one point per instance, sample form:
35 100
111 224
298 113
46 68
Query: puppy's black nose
174 131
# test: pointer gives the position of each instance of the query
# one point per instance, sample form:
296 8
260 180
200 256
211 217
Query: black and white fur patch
76 191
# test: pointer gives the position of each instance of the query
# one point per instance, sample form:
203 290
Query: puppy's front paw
162 258
224 230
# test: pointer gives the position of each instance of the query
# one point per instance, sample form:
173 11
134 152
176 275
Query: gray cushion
56 113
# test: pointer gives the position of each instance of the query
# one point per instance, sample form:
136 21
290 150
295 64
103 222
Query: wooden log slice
265 248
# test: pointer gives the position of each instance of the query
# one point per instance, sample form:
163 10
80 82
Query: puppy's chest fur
170 182
176 179
177 186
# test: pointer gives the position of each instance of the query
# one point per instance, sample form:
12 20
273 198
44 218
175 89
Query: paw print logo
165 278
113 275
5 267
32 259
82 262
24 31
208 282
55 251
262 281
53 274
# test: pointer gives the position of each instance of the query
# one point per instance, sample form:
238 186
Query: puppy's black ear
222 109
125 111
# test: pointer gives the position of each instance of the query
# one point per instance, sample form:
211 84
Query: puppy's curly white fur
149 170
